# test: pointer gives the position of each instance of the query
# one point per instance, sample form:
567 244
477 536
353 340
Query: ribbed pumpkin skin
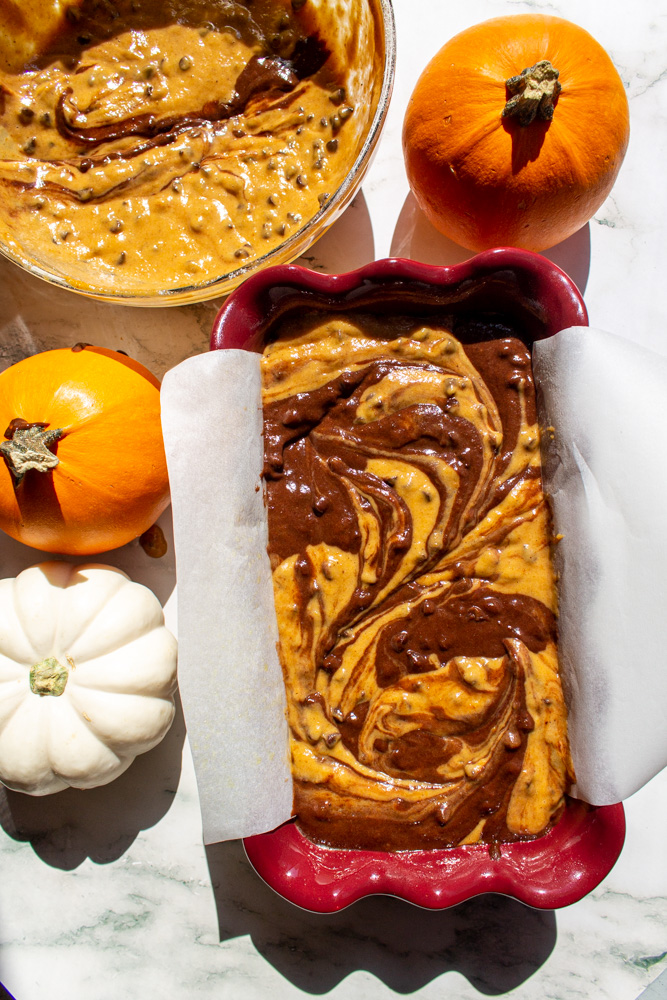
111 481
487 181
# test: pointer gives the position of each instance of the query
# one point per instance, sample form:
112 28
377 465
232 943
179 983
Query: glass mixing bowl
359 34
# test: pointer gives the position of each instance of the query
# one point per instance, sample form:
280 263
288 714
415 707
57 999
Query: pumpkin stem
28 449
532 93
48 677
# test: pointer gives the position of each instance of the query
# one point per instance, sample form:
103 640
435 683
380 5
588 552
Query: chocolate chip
330 663
302 566
525 722
363 598
418 662
399 641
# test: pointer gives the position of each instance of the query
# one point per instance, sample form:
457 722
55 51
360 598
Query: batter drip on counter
410 543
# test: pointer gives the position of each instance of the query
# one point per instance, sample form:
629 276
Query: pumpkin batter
414 588
143 149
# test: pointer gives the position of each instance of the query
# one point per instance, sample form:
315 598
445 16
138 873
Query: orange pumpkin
515 132
84 467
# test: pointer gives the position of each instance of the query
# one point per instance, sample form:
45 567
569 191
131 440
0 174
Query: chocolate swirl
262 74
414 590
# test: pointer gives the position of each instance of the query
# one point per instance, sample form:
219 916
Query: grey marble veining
110 892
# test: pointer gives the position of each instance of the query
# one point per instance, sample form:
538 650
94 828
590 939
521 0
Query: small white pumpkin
87 676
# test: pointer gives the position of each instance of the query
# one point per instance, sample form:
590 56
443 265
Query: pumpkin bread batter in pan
410 543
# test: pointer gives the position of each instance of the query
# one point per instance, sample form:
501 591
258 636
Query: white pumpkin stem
48 677
28 448
532 93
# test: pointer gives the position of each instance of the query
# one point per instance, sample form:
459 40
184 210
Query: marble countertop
111 892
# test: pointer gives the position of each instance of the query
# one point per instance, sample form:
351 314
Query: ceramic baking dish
535 298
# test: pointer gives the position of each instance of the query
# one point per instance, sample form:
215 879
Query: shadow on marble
159 575
414 237
36 316
496 942
573 256
347 245
99 823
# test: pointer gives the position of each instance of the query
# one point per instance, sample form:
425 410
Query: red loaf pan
537 299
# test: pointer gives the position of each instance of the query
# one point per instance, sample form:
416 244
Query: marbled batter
416 599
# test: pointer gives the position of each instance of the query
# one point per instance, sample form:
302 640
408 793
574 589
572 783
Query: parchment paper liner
605 399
